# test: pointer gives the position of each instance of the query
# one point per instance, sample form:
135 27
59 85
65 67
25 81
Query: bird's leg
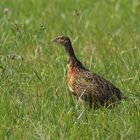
90 102
96 103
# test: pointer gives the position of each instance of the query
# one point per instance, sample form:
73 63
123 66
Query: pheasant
86 85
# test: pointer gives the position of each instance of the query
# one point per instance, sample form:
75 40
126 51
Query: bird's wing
94 85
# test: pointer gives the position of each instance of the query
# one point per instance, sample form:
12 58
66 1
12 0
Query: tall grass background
35 102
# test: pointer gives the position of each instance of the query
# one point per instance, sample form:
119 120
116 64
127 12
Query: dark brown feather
91 88
87 85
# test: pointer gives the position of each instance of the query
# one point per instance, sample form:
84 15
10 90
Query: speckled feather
87 85
91 87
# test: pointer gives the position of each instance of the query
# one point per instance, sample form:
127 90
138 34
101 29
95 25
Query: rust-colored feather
87 85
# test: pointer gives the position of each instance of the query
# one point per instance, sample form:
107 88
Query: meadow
35 102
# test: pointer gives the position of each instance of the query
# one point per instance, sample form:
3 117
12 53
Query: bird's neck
71 58
70 53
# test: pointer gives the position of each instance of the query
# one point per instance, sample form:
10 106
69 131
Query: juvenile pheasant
86 85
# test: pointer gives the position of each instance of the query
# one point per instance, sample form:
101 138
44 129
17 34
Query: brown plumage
86 85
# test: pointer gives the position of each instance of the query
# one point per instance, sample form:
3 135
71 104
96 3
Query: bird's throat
70 53
71 58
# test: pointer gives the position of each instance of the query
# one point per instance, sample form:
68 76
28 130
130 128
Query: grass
35 102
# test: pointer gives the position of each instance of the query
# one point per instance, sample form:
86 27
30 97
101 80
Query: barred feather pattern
86 85
91 87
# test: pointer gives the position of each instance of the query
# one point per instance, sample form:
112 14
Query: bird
85 85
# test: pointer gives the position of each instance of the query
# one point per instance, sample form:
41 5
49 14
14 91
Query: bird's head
63 40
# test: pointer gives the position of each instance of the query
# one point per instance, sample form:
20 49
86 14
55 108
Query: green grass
35 102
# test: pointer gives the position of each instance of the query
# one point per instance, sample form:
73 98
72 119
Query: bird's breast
71 74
